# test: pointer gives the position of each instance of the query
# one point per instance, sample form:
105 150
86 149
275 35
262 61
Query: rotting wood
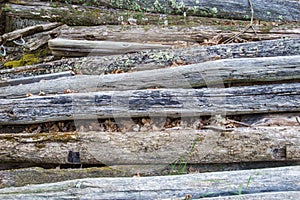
271 11
155 102
159 59
208 74
154 148
196 185
154 33
75 48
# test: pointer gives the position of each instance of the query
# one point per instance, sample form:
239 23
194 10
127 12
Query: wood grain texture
196 185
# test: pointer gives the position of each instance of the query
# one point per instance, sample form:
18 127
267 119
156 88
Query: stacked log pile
123 88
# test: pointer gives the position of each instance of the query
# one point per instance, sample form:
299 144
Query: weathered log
157 102
168 35
216 184
219 72
75 48
272 10
156 149
160 59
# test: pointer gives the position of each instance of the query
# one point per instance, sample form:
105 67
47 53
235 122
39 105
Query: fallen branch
73 48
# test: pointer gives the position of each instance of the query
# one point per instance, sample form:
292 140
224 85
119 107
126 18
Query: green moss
26 59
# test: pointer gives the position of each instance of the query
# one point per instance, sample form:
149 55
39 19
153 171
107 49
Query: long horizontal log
219 72
156 102
155 149
154 33
158 59
272 10
73 48
182 186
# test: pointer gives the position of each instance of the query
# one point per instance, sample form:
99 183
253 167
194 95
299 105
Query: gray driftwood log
154 102
155 149
273 180
226 71
159 59
76 48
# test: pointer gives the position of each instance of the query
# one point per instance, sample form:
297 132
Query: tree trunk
276 181
245 71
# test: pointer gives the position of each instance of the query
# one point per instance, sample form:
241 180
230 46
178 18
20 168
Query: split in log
76 48
242 71
274 10
252 182
158 59
171 34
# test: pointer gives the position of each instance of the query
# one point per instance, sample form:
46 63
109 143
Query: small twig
247 27
218 128
241 123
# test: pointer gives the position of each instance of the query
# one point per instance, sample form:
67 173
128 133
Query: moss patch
26 59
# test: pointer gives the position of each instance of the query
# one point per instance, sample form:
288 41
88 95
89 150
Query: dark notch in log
271 10
150 148
159 59
208 74
143 103
254 183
